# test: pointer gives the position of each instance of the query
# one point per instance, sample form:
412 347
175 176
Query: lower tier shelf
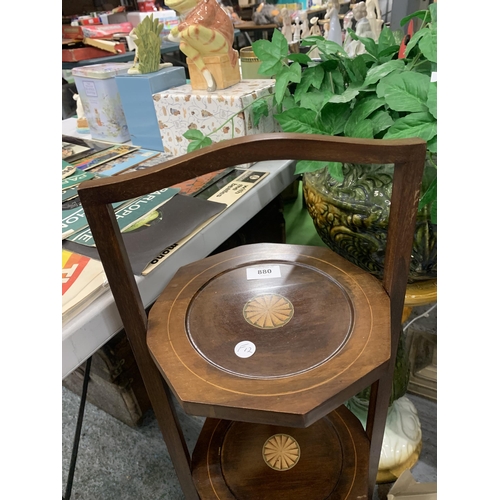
244 461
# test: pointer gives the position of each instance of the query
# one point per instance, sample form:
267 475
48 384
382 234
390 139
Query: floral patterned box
180 109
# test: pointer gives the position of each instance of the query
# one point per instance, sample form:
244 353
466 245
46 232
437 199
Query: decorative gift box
136 93
180 109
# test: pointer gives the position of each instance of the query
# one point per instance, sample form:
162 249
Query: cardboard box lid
102 71
406 488
244 87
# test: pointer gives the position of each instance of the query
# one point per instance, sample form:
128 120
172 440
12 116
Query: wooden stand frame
364 359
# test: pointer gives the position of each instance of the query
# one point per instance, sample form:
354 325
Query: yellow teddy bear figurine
205 34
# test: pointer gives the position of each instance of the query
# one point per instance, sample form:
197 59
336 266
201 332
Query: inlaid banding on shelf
281 452
268 311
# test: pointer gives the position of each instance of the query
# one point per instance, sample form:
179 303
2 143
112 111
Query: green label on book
74 180
131 213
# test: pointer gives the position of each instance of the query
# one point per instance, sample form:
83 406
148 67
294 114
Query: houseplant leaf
271 53
333 117
428 45
348 95
421 14
369 43
414 41
300 58
433 11
422 125
198 140
376 73
432 145
362 109
260 108
300 121
387 54
315 100
406 91
329 48
312 76
430 197
334 168
385 39
381 121
363 129
285 75
432 99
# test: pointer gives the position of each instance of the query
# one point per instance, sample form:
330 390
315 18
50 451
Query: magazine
75 148
167 224
131 214
83 280
67 169
125 162
103 156
76 179
240 182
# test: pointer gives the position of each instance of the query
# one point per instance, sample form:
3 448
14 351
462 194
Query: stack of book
151 227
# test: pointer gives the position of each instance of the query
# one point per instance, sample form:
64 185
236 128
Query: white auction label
244 349
263 272
434 76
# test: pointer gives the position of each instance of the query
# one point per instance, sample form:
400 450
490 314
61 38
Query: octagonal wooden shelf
238 460
304 326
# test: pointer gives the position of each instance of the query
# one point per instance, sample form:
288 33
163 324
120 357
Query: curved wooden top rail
253 148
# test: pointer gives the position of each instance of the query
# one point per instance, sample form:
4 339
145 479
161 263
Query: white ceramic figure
79 107
348 21
374 17
296 30
334 29
286 29
304 23
363 29
314 31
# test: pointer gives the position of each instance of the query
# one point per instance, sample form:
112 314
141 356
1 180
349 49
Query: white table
83 335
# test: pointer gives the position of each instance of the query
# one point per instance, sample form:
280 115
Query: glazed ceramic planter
352 217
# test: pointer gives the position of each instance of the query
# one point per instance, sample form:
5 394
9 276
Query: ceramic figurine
315 30
304 22
81 122
334 29
79 106
206 31
296 30
374 17
286 29
363 29
348 21
146 37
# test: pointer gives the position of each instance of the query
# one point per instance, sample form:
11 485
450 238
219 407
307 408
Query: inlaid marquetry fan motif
268 311
281 452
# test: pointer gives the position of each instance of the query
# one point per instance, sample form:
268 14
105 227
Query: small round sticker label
244 349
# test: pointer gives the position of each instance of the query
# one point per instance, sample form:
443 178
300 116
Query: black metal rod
78 431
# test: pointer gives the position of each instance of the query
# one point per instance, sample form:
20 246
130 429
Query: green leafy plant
378 94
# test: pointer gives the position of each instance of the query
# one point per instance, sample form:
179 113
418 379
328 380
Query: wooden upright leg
380 394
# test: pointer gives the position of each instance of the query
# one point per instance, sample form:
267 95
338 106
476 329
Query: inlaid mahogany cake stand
268 341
